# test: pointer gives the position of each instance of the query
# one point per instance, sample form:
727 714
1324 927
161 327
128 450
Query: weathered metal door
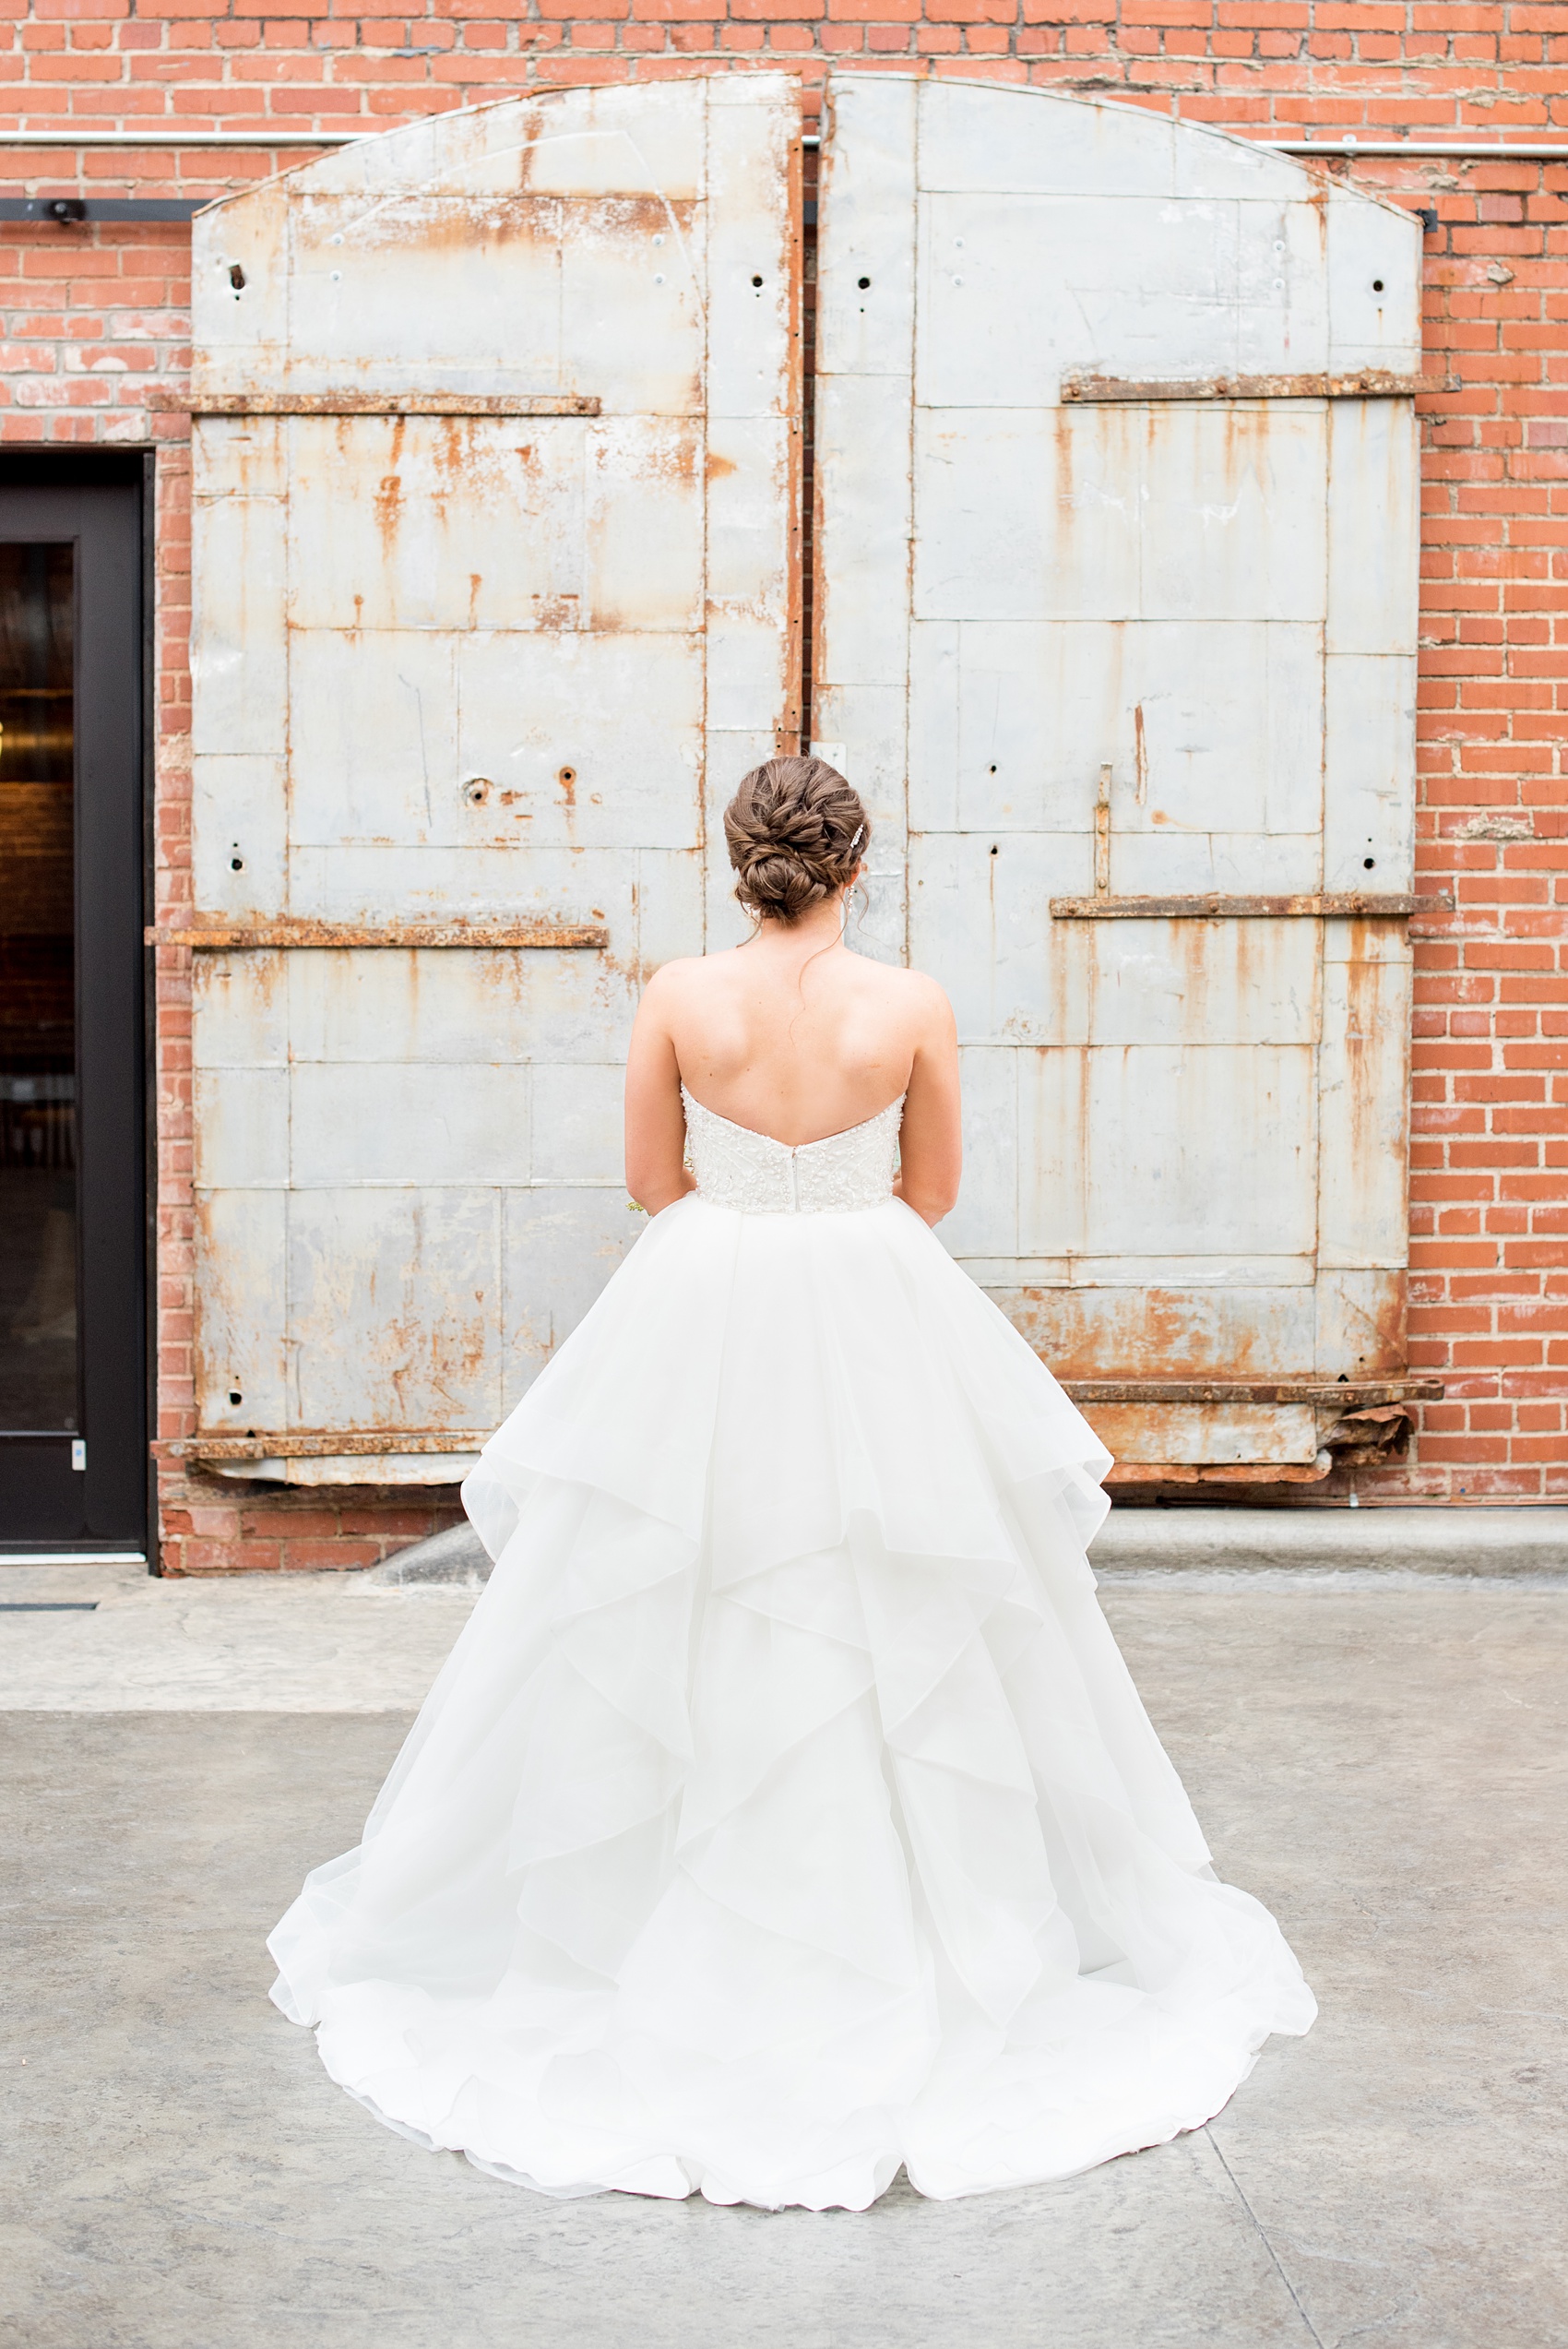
1116 613
495 446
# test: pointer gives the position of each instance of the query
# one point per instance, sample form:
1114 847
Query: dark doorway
73 1410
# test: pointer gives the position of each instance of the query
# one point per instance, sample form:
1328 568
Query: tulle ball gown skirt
785 1812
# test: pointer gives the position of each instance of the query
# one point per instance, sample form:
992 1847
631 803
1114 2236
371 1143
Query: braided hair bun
796 832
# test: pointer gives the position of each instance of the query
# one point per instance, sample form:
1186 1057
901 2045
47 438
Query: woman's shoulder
688 986
913 992
679 975
917 995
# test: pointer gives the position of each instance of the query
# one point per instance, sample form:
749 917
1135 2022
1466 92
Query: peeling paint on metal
1125 655
496 471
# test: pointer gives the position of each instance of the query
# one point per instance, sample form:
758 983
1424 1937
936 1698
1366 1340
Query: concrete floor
1383 1762
285 1643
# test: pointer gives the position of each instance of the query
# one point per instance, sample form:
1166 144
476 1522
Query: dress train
785 1812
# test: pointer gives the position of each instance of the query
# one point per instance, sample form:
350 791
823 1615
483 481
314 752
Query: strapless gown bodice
736 1167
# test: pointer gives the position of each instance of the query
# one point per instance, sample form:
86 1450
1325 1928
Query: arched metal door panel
496 536
1116 597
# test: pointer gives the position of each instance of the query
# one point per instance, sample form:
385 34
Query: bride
785 1813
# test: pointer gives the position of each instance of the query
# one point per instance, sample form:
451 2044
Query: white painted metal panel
1218 515
1186 1136
470 665
559 1244
1204 1328
1157 1150
239 645
239 832
363 1347
1205 723
245 1303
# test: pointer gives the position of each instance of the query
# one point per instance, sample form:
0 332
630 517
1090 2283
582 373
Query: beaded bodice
736 1167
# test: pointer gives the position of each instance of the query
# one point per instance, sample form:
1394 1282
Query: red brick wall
1490 1146
94 318
1259 64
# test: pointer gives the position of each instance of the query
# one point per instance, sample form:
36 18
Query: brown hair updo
796 832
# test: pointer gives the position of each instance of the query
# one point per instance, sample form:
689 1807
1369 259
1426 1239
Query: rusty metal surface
1147 1473
1313 906
1146 662
313 1442
1367 383
495 459
1194 1435
204 935
376 404
1347 1394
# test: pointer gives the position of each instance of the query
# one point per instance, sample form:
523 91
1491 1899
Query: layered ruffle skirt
785 1812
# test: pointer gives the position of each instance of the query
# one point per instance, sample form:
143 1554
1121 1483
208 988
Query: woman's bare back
796 1037
795 1053
791 1034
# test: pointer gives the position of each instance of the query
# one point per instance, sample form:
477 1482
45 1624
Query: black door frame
116 1498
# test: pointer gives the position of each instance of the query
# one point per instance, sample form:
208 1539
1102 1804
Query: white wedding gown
785 1812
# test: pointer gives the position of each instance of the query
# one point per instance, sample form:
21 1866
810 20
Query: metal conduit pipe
194 138
1458 149
1462 149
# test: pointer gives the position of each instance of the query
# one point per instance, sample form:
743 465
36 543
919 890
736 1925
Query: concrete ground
1380 1758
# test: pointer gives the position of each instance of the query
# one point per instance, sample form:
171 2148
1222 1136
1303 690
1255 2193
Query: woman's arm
932 1145
656 1123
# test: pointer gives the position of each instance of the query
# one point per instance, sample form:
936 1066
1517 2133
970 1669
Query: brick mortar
1284 64
90 319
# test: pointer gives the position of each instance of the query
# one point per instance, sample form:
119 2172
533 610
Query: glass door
73 1438
39 1323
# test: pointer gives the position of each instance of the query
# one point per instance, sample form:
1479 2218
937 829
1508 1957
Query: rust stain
389 495
210 933
1377 1397
532 127
388 502
1161 1333
1250 944
1140 754
1228 1472
1102 834
1368 383
1062 451
621 217
315 1443
556 612
1232 1433
377 404
1201 906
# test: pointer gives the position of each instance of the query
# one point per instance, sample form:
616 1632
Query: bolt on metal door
496 440
1115 609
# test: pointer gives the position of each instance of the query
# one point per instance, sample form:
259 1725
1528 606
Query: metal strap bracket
374 403
209 934
317 1443
1357 905
84 212
1366 383
1350 1394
